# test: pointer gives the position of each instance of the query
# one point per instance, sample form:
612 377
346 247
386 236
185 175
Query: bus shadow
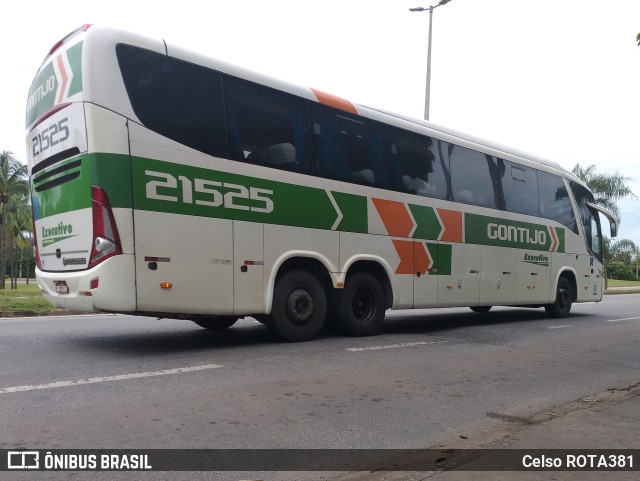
437 320
185 337
176 339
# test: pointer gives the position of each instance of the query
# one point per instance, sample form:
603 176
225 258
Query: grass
617 283
26 300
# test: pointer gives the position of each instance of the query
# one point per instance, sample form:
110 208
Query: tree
607 188
18 229
13 181
623 251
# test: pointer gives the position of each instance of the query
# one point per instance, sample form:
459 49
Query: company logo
23 460
51 235
539 260
512 233
46 87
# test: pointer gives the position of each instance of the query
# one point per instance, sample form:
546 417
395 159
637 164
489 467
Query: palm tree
13 181
607 188
18 227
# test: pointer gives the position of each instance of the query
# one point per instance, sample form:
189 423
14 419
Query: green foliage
619 270
15 215
606 188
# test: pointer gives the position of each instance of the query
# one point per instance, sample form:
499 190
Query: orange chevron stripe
420 258
65 78
405 251
333 101
395 217
452 223
554 237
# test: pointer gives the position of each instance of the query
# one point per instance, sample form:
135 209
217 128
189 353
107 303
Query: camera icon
23 460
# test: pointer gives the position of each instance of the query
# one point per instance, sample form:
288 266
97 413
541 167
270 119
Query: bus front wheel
358 309
299 306
562 305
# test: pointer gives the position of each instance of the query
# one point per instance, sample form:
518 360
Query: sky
557 78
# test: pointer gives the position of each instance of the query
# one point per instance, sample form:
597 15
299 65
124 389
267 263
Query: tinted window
554 200
416 165
471 176
520 188
266 126
347 147
162 93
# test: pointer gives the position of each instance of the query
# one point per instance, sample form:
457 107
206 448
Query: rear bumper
116 291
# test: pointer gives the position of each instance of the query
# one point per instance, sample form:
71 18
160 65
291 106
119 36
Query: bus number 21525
52 135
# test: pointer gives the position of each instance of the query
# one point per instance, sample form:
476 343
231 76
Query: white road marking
625 319
389 346
562 326
120 377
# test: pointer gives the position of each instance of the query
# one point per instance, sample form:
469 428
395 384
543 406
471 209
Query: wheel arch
570 274
313 262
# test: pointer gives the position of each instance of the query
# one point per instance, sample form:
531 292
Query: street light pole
427 97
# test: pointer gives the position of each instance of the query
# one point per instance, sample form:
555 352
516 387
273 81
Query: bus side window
265 126
348 148
520 187
413 164
471 179
554 200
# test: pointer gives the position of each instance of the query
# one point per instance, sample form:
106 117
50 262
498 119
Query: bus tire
216 323
480 309
358 309
299 306
562 305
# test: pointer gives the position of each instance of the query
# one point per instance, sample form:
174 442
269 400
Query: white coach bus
166 183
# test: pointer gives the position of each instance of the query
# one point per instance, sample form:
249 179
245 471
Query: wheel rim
363 304
563 298
299 305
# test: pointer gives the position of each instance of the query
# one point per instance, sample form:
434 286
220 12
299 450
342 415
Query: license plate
62 287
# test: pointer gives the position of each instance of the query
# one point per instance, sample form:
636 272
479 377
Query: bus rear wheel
358 309
562 305
299 306
216 323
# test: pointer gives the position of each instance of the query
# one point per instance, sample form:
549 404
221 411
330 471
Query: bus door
591 268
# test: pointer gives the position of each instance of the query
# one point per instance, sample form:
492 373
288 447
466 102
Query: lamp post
428 90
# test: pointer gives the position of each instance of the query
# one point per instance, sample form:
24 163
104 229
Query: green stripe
293 204
109 171
74 54
427 225
354 211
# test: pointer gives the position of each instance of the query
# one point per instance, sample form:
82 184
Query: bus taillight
106 241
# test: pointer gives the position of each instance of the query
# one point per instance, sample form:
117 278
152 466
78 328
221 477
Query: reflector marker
253 263
157 259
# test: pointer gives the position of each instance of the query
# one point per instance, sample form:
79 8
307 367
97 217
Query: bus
165 183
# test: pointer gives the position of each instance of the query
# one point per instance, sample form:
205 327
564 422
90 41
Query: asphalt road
431 378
